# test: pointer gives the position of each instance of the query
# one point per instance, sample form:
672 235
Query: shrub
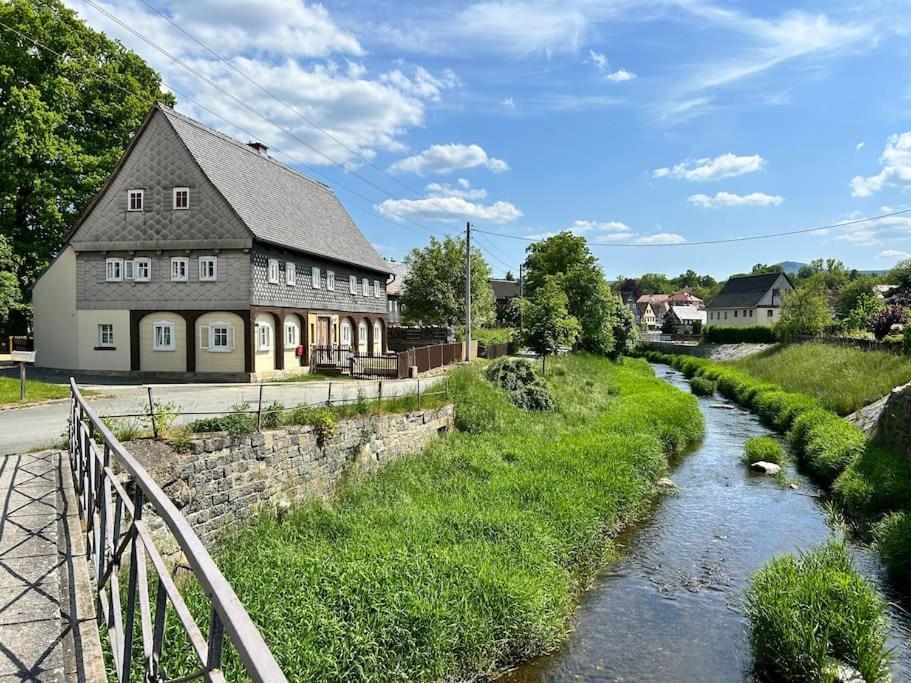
164 416
702 386
831 445
237 423
876 482
757 334
808 610
525 387
764 448
906 339
882 321
323 421
893 538
272 415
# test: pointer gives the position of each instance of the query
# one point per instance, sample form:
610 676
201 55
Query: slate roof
745 291
278 205
504 289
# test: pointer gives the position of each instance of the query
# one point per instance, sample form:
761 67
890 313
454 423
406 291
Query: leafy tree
804 311
607 325
655 283
668 326
509 276
901 275
765 268
10 294
548 324
882 321
64 122
434 289
858 303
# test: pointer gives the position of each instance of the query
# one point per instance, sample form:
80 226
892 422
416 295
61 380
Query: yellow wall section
162 361
264 361
54 303
87 331
220 361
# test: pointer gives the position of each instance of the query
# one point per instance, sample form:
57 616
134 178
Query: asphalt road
36 427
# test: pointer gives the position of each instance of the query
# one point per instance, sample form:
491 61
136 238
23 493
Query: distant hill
791 267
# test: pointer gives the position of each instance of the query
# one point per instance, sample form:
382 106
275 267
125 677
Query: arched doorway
346 334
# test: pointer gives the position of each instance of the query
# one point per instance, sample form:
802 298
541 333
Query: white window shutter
231 337
203 336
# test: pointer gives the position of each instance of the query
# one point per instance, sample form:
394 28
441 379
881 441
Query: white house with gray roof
203 256
747 300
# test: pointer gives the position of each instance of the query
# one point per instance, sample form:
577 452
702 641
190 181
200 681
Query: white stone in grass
765 467
665 483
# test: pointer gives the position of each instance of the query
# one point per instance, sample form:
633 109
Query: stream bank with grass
469 557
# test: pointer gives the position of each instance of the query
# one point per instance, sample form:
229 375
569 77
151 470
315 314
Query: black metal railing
370 365
331 356
117 536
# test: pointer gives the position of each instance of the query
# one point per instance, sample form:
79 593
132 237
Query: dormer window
181 198
135 200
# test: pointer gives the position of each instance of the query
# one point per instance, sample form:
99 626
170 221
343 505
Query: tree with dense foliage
804 311
655 283
434 288
884 320
760 268
549 326
901 275
858 303
607 324
668 326
10 294
64 122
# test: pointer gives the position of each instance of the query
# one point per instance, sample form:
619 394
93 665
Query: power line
800 231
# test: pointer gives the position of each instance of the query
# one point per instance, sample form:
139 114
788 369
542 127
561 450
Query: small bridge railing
116 534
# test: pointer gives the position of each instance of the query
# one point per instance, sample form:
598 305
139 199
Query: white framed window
290 274
365 287
142 269
291 334
163 336
345 334
180 268
377 338
315 277
362 337
217 337
181 198
272 273
352 284
106 334
208 268
263 337
128 268
135 200
330 280
376 288
113 269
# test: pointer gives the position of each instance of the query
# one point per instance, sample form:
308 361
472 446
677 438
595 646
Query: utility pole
467 291
521 296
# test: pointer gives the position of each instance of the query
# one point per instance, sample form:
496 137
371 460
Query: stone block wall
224 480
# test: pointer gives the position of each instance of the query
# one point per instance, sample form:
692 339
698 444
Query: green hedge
764 448
702 386
757 334
893 537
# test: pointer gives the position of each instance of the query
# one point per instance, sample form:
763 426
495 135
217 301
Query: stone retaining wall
715 352
224 480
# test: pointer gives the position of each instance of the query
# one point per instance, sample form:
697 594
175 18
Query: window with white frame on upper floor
113 269
163 336
365 287
181 197
208 268
272 271
106 334
352 284
290 274
376 288
180 268
263 337
142 269
135 200
315 277
330 280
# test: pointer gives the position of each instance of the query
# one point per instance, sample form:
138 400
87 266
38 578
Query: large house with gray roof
747 300
203 256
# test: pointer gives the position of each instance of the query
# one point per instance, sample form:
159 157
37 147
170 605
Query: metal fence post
379 390
259 410
152 413
329 395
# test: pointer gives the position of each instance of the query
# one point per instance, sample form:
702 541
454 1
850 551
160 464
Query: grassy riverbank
841 378
469 557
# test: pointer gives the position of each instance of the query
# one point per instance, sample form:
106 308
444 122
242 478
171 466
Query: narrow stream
669 609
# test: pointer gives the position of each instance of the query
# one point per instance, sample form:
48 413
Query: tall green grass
468 558
810 612
841 378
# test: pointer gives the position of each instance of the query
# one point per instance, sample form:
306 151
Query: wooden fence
497 350
392 365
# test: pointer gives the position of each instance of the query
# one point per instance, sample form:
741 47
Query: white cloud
887 231
706 169
598 59
620 75
582 226
276 44
896 167
731 199
894 254
661 238
859 146
446 204
447 158
509 103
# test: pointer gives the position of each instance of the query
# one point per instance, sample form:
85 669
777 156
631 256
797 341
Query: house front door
322 332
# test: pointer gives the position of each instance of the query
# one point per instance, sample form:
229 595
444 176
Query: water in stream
670 608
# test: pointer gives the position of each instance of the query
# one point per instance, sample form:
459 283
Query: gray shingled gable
744 291
279 205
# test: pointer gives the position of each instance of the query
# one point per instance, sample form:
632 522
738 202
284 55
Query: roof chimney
259 147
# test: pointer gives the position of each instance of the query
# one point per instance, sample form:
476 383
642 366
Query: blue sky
658 122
